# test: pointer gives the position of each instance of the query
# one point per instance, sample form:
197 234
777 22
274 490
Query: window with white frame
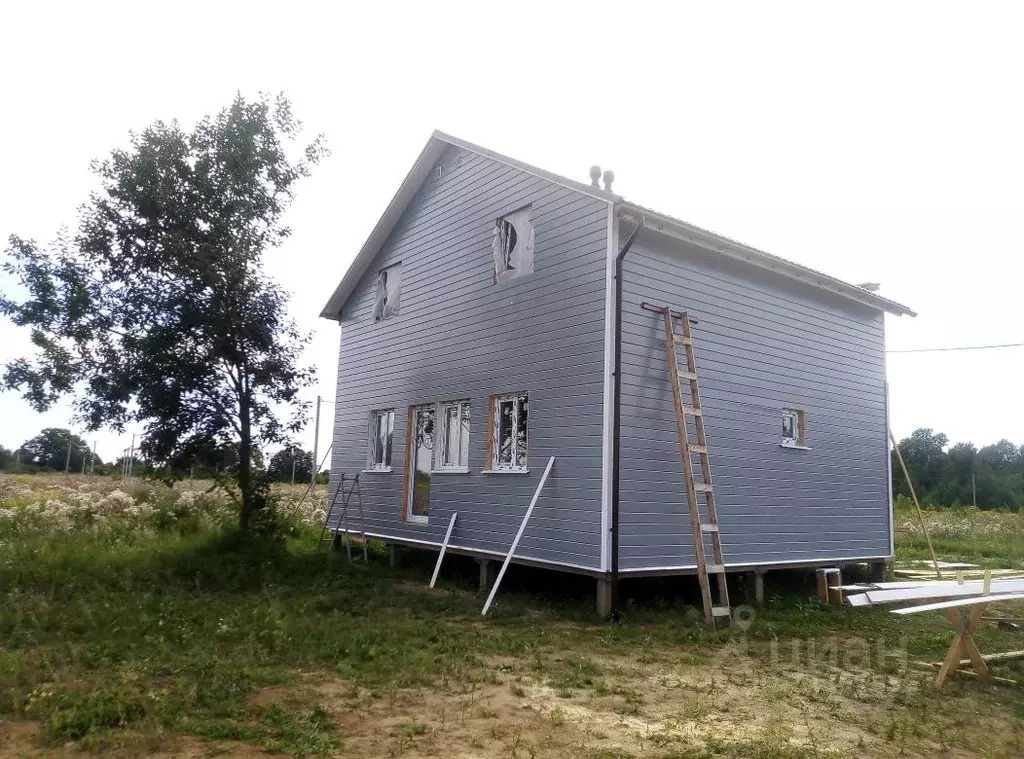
508 433
793 434
389 292
513 245
454 452
382 430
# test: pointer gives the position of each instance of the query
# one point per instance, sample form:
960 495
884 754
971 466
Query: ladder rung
701 449
685 375
692 411
721 611
682 339
709 528
715 569
703 487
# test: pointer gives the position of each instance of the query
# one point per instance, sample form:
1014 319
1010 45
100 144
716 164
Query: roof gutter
617 416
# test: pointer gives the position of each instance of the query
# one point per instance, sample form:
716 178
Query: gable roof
628 212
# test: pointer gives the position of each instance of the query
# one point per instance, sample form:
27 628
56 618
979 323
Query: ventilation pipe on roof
616 418
609 177
595 176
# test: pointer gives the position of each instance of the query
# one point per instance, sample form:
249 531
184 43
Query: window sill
794 447
451 470
418 521
377 471
504 471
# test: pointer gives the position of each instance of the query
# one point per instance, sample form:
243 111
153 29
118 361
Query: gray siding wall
460 336
763 343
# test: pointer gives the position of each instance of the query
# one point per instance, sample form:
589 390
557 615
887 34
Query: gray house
478 337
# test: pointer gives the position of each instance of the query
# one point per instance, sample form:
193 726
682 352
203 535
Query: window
389 292
382 428
454 454
421 456
513 245
793 435
508 434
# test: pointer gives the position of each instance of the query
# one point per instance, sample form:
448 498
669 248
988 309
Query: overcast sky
874 141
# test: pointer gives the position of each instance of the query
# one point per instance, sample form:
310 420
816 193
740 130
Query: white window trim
439 467
371 466
494 466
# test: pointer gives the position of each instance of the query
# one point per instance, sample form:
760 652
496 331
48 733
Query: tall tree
159 312
50 448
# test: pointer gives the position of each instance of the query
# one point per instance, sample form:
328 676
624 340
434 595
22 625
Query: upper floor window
513 245
389 292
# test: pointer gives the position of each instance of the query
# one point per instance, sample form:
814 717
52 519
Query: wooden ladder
704 525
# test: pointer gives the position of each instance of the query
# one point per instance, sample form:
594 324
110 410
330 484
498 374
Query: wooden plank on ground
960 603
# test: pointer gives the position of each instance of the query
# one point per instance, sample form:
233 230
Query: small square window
793 434
513 245
454 452
389 292
508 433
382 430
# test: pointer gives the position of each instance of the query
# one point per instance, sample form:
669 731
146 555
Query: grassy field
134 620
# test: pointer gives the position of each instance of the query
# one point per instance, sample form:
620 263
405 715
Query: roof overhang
680 230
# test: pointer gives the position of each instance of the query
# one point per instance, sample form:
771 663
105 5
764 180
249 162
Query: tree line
991 477
58 450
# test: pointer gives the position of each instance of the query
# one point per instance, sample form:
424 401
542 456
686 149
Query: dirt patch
729 703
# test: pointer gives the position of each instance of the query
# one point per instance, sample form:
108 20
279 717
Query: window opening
382 428
509 437
454 435
421 460
389 292
793 427
513 245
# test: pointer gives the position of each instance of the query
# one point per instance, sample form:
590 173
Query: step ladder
330 536
703 514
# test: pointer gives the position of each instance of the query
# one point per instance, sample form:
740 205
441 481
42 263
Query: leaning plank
444 547
960 602
519 535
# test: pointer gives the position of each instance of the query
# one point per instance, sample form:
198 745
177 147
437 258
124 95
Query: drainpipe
616 417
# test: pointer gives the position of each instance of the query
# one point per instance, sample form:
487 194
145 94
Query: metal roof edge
672 227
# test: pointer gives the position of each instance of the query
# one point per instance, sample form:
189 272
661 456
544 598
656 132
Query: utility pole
92 461
131 456
974 491
67 461
293 464
316 444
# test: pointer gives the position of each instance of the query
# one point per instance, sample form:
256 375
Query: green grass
111 637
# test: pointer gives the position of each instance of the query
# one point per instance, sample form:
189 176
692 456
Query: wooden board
960 602
935 590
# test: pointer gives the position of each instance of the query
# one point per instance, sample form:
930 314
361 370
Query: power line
960 348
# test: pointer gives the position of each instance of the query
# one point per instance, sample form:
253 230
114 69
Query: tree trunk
245 466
